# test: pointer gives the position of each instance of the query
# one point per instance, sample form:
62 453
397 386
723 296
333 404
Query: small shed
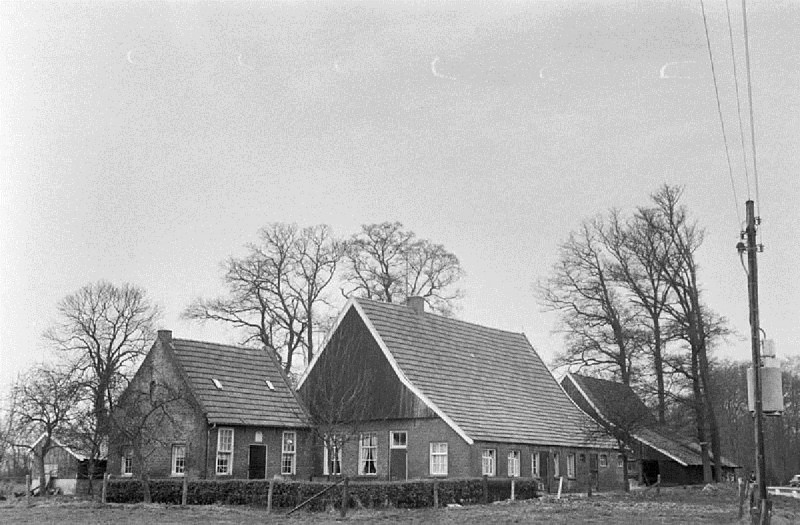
66 471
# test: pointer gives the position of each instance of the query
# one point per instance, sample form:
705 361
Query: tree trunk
658 367
148 498
700 418
42 475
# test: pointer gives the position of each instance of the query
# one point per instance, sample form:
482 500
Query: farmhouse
209 411
419 395
657 451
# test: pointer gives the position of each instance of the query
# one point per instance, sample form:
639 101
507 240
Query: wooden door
397 464
257 464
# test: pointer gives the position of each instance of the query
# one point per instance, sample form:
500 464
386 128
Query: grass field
672 506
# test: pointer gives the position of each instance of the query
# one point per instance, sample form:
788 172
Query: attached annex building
440 397
657 451
210 411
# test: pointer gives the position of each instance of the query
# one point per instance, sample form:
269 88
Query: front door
544 469
398 456
257 465
594 472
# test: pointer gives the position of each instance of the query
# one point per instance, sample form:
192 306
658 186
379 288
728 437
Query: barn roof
487 384
238 386
613 401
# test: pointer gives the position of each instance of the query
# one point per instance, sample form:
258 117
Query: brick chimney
165 336
416 303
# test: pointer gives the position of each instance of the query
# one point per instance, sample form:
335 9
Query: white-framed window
127 464
620 461
536 467
332 457
368 454
488 462
556 465
259 436
398 439
178 460
603 461
224 451
438 459
288 453
571 466
513 464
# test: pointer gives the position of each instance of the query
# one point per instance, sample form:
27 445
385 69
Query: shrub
288 494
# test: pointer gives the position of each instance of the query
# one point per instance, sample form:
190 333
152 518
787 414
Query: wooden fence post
560 486
742 493
589 484
269 495
435 493
345 498
185 490
513 498
27 489
485 496
658 485
104 491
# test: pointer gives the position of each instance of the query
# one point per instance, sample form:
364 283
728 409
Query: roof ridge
224 345
440 316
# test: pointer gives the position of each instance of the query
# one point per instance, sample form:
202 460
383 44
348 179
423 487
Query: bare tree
45 399
691 320
337 398
276 291
388 263
639 256
145 421
601 329
104 330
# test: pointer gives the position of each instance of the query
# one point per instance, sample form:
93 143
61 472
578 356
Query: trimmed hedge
288 494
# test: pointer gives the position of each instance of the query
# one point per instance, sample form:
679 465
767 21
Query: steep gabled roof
487 384
610 399
71 452
245 397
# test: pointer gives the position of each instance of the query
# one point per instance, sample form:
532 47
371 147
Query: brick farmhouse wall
465 460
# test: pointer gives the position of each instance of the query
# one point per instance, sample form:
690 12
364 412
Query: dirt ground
672 506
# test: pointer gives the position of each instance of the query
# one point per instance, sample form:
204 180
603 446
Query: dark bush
288 494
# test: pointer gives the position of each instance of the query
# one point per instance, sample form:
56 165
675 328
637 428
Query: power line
750 101
738 103
719 112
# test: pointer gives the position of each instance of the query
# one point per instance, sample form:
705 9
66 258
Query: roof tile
245 398
490 382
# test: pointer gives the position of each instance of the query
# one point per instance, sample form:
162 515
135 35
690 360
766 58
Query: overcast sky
146 142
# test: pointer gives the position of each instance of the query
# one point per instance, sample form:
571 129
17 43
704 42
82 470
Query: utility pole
764 505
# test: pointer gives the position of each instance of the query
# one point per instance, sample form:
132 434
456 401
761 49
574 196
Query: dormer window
216 383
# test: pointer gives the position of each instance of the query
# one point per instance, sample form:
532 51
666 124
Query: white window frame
258 437
398 433
126 468
368 454
571 466
556 465
337 461
438 458
536 467
176 470
602 461
224 452
513 463
489 462
288 453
